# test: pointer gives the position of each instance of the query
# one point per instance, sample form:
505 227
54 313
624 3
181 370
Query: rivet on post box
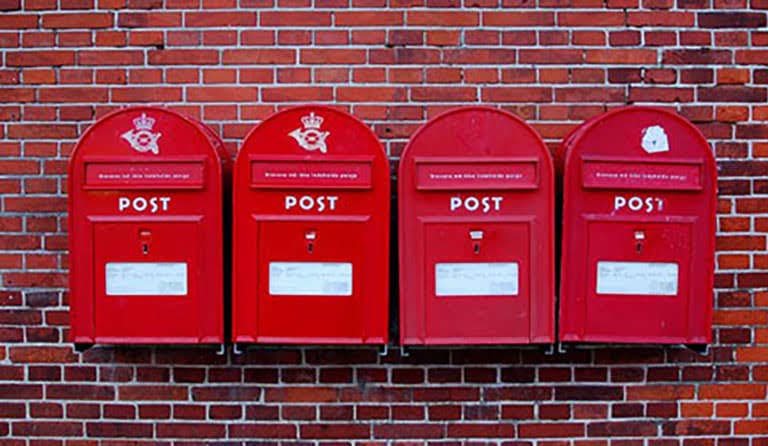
311 231
476 198
638 230
146 230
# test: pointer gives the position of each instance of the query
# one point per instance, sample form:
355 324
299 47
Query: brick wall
393 64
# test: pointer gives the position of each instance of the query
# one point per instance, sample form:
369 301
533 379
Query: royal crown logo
141 137
311 137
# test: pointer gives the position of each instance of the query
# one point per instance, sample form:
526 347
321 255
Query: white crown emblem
141 138
311 137
144 122
312 121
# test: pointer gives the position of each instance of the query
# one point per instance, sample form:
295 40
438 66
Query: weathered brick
732 19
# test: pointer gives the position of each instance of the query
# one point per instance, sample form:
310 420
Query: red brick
659 393
591 19
479 56
228 393
47 429
183 57
621 56
295 18
222 94
697 427
18 21
301 394
69 94
442 18
371 94
554 56
732 391
40 58
296 94
262 431
190 430
518 18
750 427
153 393
333 431
703 56
117 430
481 430
219 19
661 18
444 94
146 94
660 94
78 20
332 56
732 19
264 56
730 93
149 19
20 391
415 431
10 5
517 94
622 429
368 18
551 430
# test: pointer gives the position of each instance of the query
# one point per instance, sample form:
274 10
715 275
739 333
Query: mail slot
311 231
638 232
476 199
146 230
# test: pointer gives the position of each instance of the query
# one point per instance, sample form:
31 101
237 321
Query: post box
311 231
476 198
145 230
638 232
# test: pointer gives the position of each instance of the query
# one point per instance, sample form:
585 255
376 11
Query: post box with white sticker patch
639 192
476 198
146 232
311 231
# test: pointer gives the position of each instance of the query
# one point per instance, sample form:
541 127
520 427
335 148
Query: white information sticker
146 279
310 279
638 278
476 279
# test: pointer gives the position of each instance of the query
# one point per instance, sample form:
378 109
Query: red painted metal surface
476 199
638 230
146 194
311 231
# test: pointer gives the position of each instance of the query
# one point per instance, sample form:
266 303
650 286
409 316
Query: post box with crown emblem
311 231
638 230
146 194
476 199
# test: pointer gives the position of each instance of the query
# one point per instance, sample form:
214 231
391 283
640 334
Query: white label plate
146 279
638 278
310 279
476 279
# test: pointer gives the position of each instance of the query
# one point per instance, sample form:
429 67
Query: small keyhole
145 248
638 247
477 248
310 247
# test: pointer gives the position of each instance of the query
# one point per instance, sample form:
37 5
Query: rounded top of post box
312 132
638 131
476 131
145 133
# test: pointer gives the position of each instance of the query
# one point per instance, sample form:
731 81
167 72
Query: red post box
638 230
145 230
311 231
476 232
